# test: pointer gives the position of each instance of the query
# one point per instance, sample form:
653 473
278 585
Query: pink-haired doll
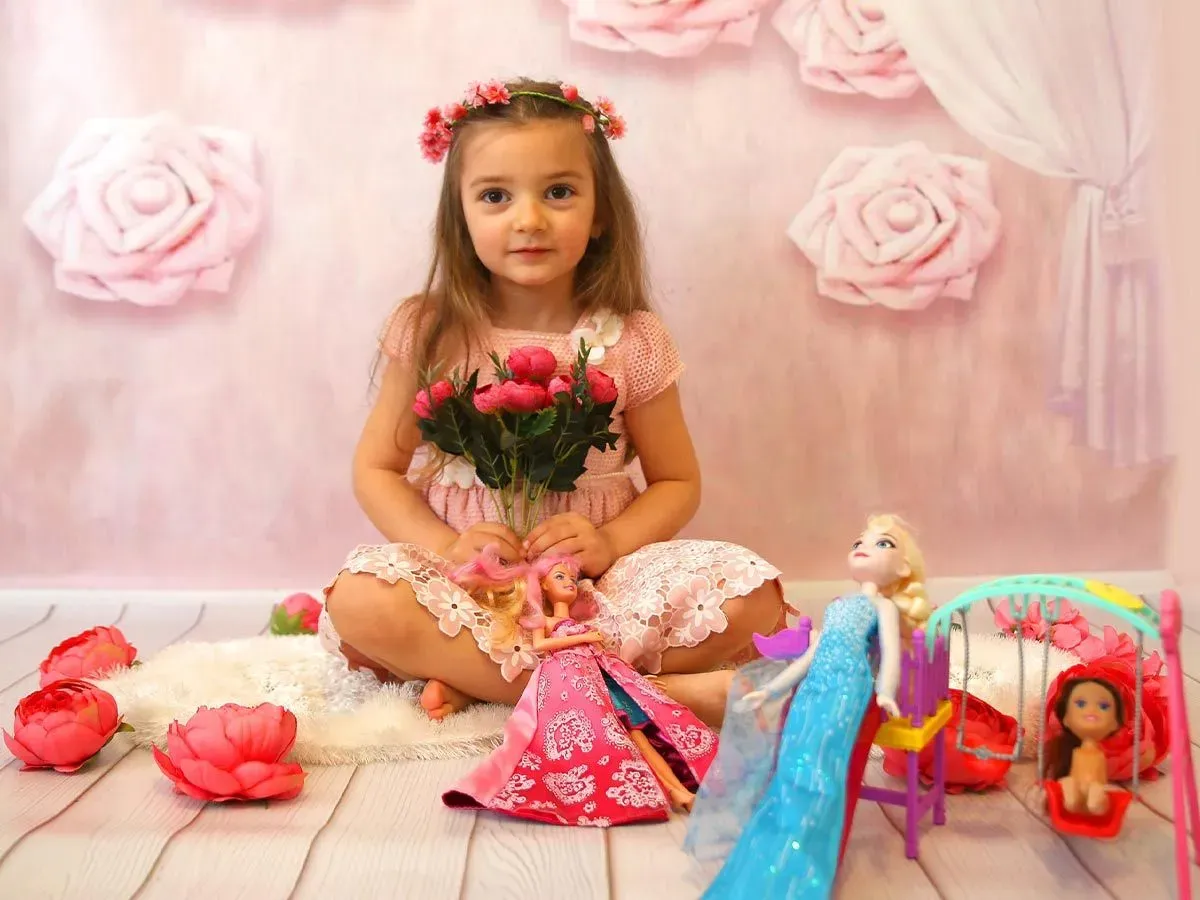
590 742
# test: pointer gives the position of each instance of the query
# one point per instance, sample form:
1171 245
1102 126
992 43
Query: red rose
518 397
603 389
560 384
531 364
428 401
986 728
88 654
63 725
487 398
1154 739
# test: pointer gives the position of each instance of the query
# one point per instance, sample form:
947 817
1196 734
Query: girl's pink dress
668 594
567 758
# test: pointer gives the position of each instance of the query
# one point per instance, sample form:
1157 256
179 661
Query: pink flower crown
440 123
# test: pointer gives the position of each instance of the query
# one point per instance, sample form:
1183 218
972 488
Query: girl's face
528 195
559 585
1091 712
878 557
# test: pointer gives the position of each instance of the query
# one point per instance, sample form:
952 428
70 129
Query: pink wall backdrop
208 444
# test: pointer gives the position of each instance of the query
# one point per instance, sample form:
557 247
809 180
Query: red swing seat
1084 824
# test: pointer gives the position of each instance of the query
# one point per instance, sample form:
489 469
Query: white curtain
1064 87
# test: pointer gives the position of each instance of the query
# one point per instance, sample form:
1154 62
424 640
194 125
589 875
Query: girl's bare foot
440 700
704 693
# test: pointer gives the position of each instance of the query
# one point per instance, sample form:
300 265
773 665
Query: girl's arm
890 649
660 435
381 460
543 644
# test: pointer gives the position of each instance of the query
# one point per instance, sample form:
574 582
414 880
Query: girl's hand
471 542
570 534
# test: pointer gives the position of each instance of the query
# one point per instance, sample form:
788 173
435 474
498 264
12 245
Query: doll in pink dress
591 742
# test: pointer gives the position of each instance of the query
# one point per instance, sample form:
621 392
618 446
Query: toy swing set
926 709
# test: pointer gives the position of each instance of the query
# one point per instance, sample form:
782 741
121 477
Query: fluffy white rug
342 716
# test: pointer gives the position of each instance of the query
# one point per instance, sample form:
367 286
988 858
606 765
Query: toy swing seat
1102 827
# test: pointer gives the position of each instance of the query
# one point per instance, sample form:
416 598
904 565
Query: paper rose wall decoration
848 47
898 226
146 210
663 27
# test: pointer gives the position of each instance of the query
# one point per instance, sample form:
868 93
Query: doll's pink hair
488 570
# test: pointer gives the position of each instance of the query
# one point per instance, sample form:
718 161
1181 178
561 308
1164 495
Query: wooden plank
875 865
648 861
22 654
391 836
106 825
17 618
247 851
512 859
1139 863
990 847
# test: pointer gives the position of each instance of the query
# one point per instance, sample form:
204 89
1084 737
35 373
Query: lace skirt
665 595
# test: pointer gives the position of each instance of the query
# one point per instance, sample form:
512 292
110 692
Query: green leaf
541 423
125 726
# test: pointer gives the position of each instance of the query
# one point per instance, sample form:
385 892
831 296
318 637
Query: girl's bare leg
687 674
385 624
681 798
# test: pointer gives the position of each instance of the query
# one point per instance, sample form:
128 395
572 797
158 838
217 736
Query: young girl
590 742
536 243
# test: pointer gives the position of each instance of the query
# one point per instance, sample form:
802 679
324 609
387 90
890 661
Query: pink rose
88 654
663 27
63 725
601 386
848 47
487 398
531 363
520 397
145 210
427 401
898 226
233 753
560 384
296 614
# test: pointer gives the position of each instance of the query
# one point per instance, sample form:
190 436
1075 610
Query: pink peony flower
570 93
427 401
487 398
89 654
898 226
848 47
663 27
1070 632
531 363
522 397
233 753
560 384
601 385
63 725
296 614
146 210
1120 646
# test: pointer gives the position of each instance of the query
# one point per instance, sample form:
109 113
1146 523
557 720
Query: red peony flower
560 384
531 364
233 753
87 655
518 397
1118 749
603 389
63 725
427 401
986 728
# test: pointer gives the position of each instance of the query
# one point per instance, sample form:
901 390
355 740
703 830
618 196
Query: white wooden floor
116 831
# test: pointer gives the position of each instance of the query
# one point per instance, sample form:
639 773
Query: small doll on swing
590 742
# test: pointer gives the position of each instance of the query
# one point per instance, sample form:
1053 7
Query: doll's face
1091 712
559 585
877 557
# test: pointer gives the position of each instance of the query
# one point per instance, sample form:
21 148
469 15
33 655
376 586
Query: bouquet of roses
527 434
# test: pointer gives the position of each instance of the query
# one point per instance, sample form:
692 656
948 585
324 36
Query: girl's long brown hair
454 304
1060 748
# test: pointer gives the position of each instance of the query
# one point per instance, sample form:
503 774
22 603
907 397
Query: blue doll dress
772 806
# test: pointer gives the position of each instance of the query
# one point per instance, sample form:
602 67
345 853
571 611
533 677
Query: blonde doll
537 244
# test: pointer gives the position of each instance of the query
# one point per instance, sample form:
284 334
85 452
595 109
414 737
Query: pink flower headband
439 123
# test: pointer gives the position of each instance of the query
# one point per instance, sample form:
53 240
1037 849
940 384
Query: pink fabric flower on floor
1070 632
146 210
296 614
898 226
1120 646
89 654
663 27
62 725
848 47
